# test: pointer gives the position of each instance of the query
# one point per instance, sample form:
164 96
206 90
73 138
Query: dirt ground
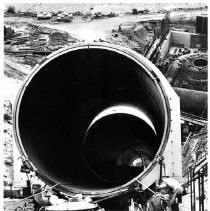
96 29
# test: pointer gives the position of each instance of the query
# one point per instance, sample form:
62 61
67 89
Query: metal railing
197 173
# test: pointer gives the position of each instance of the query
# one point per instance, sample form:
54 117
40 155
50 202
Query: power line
26 11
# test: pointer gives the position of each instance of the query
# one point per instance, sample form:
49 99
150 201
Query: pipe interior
115 143
60 102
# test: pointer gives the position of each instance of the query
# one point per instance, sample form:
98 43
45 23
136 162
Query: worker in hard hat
167 192
174 190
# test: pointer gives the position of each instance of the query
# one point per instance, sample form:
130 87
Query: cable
161 197
109 197
26 11
202 114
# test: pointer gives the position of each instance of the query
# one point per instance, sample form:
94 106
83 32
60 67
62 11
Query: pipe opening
200 62
59 104
119 147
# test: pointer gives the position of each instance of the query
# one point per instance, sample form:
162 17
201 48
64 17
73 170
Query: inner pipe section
58 103
117 138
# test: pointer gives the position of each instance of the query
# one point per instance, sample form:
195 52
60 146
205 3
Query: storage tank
95 119
193 102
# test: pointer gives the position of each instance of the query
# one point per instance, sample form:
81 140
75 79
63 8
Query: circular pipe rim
142 62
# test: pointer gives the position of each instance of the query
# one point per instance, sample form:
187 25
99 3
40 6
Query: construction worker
174 190
166 196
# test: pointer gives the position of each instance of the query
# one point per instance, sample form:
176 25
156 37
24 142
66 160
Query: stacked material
32 60
45 30
38 42
34 34
195 148
58 38
18 40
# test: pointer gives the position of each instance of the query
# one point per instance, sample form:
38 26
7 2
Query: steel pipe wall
93 119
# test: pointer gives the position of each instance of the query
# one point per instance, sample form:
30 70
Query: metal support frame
202 192
192 189
197 172
161 169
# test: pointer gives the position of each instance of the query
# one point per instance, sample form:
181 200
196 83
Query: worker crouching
167 197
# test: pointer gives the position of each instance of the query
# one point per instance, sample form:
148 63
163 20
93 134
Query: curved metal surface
193 102
62 97
191 68
123 109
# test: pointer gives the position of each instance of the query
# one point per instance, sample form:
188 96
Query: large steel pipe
193 102
93 119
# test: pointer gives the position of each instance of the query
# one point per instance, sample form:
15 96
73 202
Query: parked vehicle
44 16
65 17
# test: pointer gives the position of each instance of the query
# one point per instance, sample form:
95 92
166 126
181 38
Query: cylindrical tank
93 119
193 102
